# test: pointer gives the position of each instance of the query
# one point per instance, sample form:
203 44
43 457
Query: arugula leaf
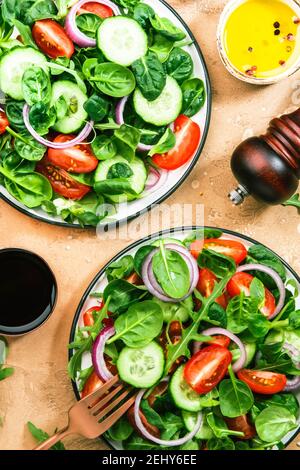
166 143
6 372
123 294
239 310
41 436
152 416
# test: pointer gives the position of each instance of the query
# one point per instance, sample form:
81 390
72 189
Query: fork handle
53 439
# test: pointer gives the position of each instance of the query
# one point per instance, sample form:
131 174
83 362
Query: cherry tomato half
52 39
262 381
220 340
188 134
231 248
207 368
103 11
62 183
3 122
206 284
240 282
77 159
88 317
91 385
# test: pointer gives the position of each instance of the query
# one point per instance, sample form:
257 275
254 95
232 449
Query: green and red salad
97 105
207 331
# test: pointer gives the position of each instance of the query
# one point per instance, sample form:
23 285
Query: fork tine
111 406
90 399
98 404
113 418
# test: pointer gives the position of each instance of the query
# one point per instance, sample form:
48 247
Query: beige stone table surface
40 390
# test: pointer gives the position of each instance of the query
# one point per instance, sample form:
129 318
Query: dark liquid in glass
27 288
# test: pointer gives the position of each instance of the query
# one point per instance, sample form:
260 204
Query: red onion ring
239 364
162 442
151 283
153 178
276 278
97 353
162 179
292 384
120 108
293 352
72 29
54 145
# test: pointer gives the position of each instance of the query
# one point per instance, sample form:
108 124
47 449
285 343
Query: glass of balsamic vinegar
28 291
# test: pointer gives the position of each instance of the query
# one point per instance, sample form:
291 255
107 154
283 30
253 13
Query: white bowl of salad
105 108
204 325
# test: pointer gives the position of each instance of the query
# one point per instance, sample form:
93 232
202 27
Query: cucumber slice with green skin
250 352
190 420
183 395
137 180
165 109
12 67
75 99
142 367
122 40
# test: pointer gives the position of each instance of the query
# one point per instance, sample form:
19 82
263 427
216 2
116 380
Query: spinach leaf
273 423
210 399
88 23
171 272
150 75
14 163
25 33
152 416
42 117
120 269
41 436
122 295
114 187
140 257
257 291
220 444
166 143
294 320
294 201
239 310
128 4
31 189
136 442
190 445
260 254
201 234
34 10
179 65
121 430
104 147
219 427
142 14
36 86
113 80
97 107
285 400
162 46
217 315
119 170
127 139
166 28
173 424
193 92
216 262
139 325
14 112
236 398
8 10
27 147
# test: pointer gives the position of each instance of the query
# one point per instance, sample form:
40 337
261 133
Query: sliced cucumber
168 241
143 367
75 99
183 395
137 180
122 40
165 109
190 420
250 352
12 67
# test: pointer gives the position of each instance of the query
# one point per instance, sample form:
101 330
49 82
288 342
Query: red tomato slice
220 340
91 385
103 11
206 284
207 368
240 282
3 122
52 39
188 136
88 317
77 159
262 381
62 183
231 248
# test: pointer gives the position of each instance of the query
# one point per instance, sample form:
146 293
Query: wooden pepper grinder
268 167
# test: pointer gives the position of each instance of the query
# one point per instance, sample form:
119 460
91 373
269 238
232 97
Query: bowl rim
133 245
235 72
177 184
35 324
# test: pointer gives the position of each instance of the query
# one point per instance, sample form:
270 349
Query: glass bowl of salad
105 108
204 325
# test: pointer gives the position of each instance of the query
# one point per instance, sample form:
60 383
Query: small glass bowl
228 10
